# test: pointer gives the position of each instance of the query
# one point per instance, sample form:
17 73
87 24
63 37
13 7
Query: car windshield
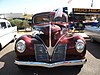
44 18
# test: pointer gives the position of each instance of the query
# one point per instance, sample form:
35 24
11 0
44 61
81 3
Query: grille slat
59 53
41 53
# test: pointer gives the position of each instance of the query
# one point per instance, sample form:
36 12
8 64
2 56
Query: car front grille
41 53
59 53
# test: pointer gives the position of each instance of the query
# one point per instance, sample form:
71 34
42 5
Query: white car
7 32
93 33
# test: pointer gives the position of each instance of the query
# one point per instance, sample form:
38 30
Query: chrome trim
50 48
42 41
51 65
59 39
23 42
80 41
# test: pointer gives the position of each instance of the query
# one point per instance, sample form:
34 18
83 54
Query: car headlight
80 46
21 46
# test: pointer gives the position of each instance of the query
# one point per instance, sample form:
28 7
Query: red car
51 44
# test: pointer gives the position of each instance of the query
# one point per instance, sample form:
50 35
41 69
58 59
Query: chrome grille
59 53
41 53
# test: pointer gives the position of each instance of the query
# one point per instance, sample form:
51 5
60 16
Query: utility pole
92 3
25 13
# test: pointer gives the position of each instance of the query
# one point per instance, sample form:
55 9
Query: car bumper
51 65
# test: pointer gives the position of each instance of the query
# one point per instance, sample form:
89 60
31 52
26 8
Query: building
85 14
11 15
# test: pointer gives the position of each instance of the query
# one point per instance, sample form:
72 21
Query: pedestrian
81 26
71 26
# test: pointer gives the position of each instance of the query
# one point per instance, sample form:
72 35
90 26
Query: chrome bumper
51 65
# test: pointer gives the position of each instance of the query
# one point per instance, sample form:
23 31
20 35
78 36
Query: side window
9 25
0 25
3 25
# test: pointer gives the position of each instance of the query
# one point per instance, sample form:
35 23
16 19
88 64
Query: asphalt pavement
91 67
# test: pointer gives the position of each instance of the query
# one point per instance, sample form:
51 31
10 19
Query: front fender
29 46
71 49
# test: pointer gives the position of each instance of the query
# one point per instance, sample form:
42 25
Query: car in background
7 32
93 32
51 44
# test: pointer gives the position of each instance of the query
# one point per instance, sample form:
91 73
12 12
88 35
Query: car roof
3 20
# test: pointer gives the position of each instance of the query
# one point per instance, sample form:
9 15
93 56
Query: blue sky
35 6
29 6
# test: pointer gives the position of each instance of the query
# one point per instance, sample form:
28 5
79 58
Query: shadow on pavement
7 44
94 49
10 68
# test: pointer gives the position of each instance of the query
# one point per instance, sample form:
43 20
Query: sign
82 10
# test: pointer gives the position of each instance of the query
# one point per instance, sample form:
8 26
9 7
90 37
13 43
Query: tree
17 23
26 24
21 24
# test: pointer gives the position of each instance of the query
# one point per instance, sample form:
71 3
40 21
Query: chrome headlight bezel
80 45
20 46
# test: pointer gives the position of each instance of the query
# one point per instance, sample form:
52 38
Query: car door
90 31
97 34
3 34
10 31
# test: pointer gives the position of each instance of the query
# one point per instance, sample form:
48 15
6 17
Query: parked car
93 32
50 45
7 32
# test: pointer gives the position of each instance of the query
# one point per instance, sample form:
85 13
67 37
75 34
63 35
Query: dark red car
50 44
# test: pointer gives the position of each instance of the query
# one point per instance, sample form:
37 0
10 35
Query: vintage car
93 32
50 44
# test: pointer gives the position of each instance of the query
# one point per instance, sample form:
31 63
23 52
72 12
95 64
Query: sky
36 6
